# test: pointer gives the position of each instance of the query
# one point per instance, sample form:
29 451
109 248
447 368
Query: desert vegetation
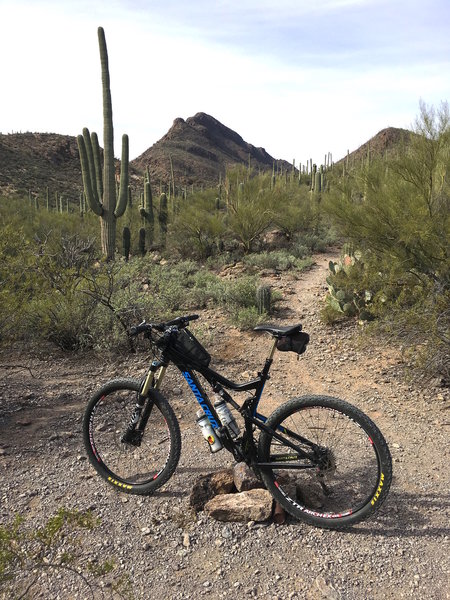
166 248
394 211
175 249
57 285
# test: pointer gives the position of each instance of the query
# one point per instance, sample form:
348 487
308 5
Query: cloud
298 78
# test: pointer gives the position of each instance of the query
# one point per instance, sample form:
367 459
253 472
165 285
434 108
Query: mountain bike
322 459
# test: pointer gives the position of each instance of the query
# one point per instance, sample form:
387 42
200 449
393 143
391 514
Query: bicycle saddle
278 331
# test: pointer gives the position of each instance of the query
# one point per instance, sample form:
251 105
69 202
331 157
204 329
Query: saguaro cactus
126 242
146 209
163 214
101 191
263 299
142 241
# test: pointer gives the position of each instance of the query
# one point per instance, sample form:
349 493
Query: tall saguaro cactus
146 209
162 217
100 189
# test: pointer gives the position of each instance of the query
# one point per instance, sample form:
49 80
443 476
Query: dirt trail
169 553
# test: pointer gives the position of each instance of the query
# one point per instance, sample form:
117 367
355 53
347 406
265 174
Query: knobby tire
354 477
132 469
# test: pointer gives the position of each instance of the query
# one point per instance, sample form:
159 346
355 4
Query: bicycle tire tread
149 488
368 426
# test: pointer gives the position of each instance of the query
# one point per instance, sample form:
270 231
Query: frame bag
187 347
293 343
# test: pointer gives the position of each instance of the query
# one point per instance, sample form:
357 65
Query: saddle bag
187 347
293 343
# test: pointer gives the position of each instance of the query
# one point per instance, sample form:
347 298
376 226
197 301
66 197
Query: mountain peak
201 149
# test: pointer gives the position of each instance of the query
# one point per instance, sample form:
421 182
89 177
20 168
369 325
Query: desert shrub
237 293
199 227
250 204
280 260
397 212
294 210
16 281
54 548
248 318
424 331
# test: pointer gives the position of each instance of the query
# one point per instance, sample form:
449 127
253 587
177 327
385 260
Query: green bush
27 551
248 318
397 212
280 260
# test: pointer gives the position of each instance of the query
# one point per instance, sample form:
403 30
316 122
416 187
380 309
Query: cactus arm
91 163
95 205
163 213
126 241
109 196
123 190
97 164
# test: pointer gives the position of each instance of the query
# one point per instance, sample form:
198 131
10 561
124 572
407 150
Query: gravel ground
164 549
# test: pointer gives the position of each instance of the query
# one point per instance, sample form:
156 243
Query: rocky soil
161 545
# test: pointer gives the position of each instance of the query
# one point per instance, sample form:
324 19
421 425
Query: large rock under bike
209 486
253 505
244 478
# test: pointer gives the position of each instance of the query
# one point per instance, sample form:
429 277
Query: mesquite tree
100 188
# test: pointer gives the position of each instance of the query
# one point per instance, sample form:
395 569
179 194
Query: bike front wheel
331 465
135 467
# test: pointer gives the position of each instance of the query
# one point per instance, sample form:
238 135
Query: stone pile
235 494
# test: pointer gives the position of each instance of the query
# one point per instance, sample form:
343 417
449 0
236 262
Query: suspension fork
152 381
142 410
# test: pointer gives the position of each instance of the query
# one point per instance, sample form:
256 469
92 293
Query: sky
300 78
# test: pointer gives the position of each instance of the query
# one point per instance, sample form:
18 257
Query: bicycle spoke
345 472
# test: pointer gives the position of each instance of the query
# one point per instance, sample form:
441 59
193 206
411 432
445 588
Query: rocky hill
201 149
384 142
31 162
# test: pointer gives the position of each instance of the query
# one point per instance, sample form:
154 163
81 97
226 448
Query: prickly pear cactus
341 296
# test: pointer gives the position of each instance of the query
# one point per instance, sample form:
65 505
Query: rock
322 590
310 494
244 478
209 486
252 505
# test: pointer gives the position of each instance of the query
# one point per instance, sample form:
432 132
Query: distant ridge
201 149
384 142
35 161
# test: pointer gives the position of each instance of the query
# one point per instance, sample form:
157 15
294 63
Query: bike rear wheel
348 474
135 468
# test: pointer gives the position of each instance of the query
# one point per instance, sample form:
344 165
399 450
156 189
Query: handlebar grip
181 320
137 329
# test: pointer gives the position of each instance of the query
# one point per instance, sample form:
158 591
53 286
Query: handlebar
144 327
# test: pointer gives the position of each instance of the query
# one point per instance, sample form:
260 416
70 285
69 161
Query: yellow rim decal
379 490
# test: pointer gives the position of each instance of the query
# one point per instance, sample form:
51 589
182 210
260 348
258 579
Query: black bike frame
248 409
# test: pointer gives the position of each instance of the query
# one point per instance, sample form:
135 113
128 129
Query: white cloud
326 98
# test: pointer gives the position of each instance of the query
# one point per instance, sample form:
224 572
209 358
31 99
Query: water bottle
225 416
208 432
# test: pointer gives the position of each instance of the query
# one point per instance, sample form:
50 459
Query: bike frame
249 408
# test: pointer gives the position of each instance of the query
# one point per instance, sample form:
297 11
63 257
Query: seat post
272 351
